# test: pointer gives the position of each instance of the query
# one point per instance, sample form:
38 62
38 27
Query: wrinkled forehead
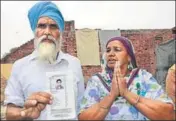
46 20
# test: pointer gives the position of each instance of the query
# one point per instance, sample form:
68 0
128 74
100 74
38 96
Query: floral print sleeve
151 89
91 94
144 84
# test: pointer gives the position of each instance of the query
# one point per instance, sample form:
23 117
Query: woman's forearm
152 109
99 110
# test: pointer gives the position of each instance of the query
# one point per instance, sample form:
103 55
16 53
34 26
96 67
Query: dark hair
58 80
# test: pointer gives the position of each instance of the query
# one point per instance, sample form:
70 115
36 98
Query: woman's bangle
137 100
104 108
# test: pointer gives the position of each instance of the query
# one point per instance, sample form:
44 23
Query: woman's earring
130 66
103 64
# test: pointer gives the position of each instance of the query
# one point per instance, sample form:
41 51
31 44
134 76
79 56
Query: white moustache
46 51
44 37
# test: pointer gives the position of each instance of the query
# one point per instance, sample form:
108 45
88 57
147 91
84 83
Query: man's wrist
13 112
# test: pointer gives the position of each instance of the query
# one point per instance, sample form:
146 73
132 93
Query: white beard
47 52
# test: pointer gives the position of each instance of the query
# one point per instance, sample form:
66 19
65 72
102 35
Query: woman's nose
112 53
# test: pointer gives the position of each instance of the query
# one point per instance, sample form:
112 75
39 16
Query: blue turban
47 9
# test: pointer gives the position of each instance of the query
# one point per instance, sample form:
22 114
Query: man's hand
35 104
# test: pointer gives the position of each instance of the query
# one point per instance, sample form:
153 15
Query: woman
128 93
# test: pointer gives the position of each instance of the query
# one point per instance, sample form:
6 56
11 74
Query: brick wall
69 45
144 42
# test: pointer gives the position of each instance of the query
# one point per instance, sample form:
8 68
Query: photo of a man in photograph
59 84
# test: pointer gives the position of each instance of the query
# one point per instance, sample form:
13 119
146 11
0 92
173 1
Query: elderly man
25 92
